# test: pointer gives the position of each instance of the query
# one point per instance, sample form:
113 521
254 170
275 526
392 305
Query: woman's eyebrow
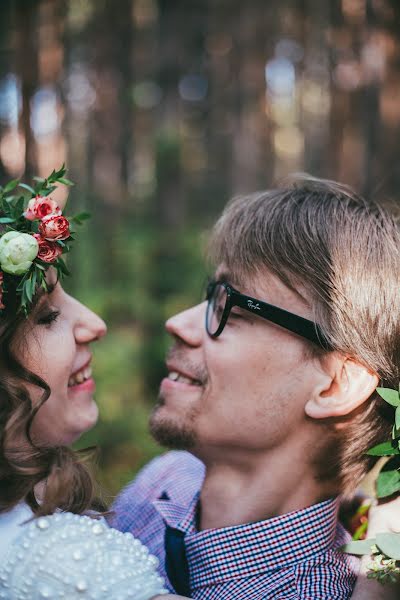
42 293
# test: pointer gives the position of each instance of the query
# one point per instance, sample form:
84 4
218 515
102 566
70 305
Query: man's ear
344 386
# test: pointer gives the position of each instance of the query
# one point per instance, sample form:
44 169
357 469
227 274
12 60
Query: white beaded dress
71 557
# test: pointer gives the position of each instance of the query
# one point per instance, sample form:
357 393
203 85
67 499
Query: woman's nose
89 327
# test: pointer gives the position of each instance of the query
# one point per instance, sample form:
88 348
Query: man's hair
344 251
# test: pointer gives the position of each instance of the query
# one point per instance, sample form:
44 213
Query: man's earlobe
350 384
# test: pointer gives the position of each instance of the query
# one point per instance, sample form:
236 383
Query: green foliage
359 547
384 449
388 481
385 548
392 397
384 551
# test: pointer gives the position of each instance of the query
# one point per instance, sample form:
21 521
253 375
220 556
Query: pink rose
54 227
41 207
48 251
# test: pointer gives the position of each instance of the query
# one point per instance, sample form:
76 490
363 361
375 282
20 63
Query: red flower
41 207
1 290
54 227
48 251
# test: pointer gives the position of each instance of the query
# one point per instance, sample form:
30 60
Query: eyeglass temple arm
303 327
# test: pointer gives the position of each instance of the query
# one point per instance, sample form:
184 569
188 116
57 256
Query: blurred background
164 109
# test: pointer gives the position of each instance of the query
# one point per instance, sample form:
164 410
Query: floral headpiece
34 235
384 549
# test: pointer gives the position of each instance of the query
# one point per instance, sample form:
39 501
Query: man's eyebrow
227 276
224 275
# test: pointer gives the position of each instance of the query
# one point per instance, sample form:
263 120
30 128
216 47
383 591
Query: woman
48 547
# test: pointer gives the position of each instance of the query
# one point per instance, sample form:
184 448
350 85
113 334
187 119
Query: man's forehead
245 281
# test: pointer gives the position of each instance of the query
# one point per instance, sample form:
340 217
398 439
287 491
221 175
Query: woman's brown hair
68 484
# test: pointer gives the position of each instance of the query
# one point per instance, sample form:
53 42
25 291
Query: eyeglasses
221 297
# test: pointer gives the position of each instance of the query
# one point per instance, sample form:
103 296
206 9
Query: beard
177 433
170 434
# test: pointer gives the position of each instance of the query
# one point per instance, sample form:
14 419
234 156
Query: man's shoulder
176 475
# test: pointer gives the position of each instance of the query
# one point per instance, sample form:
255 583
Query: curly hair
69 485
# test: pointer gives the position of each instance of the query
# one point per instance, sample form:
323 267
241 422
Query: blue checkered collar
217 555
177 515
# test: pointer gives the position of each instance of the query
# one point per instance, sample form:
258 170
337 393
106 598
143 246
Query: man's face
244 391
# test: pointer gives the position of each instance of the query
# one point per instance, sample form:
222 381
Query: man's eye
218 309
236 315
48 317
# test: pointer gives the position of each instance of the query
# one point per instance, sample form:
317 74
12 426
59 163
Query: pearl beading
72 557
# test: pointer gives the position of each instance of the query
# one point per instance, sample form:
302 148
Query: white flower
17 252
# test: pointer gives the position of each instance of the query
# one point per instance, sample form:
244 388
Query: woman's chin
84 420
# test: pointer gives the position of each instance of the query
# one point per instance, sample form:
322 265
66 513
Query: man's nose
188 325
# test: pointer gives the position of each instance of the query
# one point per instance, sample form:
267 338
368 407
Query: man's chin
170 434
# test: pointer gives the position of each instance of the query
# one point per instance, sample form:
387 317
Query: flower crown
34 235
385 547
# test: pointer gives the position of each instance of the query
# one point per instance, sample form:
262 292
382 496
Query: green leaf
19 207
397 418
7 220
28 290
10 186
359 548
389 544
387 483
361 531
384 449
49 190
27 187
61 267
65 181
390 396
34 280
79 218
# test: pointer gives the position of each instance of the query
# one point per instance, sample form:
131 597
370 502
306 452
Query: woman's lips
88 385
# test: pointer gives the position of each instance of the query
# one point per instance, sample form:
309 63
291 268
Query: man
270 388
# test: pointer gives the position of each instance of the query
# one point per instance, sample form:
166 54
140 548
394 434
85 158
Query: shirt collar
216 555
177 516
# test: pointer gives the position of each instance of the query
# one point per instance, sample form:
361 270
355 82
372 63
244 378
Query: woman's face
55 345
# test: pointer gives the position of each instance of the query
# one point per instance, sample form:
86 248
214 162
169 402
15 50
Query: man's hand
384 517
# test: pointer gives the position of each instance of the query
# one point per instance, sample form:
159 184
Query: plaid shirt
288 557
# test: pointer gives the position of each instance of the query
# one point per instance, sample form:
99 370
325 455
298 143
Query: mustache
178 354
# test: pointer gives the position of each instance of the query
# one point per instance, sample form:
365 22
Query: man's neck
235 492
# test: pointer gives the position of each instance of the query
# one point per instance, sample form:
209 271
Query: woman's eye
48 318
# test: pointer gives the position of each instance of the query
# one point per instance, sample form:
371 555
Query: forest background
164 109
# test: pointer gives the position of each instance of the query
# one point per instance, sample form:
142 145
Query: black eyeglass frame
279 316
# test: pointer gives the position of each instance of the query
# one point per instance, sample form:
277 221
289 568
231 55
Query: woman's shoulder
70 554
12 523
